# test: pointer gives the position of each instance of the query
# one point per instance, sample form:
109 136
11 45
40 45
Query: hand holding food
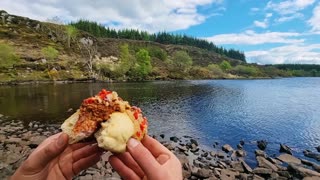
111 120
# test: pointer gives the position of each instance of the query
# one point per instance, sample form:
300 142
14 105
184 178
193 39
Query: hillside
88 57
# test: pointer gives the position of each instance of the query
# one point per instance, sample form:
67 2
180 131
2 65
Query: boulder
318 148
237 166
227 148
162 136
301 171
203 173
193 141
246 166
174 139
285 149
313 155
263 162
228 174
240 153
262 171
262 144
287 158
260 153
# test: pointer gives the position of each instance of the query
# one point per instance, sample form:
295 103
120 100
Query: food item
111 120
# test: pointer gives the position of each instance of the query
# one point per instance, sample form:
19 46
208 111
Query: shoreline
221 162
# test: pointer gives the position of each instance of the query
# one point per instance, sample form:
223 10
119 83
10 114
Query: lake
225 111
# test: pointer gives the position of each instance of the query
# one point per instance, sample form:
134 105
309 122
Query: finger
127 159
39 159
154 146
143 157
85 151
86 162
162 158
124 171
80 145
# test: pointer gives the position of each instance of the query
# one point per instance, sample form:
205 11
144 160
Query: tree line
99 30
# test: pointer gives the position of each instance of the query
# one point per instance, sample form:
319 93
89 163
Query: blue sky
268 31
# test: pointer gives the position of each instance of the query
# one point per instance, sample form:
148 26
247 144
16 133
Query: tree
143 66
7 56
50 53
71 32
225 65
89 51
181 61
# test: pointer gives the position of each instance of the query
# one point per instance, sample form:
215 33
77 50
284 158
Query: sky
267 31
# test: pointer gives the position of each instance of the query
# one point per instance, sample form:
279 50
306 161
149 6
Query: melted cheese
115 132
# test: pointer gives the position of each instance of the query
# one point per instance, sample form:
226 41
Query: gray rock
193 141
264 171
285 149
306 162
12 140
285 174
274 161
256 177
263 162
262 144
246 166
239 146
289 159
313 155
212 154
228 174
237 166
318 148
240 153
203 173
303 172
227 148
162 136
316 167
205 154
260 153
182 148
220 155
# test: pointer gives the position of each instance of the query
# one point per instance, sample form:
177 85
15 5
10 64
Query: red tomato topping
136 114
103 93
144 122
138 134
142 127
89 101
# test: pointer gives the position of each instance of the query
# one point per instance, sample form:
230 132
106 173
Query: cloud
252 38
254 9
151 15
314 21
264 23
289 6
289 17
290 54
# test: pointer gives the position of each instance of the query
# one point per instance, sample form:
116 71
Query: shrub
50 53
225 65
158 53
181 61
215 70
7 56
246 70
200 73
143 66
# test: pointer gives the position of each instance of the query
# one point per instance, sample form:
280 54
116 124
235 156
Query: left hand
54 158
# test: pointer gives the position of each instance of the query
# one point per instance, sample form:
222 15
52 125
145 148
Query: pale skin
54 158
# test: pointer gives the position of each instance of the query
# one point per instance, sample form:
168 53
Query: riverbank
221 162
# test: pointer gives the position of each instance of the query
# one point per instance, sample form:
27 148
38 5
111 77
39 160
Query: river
225 111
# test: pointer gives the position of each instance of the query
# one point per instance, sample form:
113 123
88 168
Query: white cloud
290 54
314 21
289 17
151 15
265 23
289 6
253 38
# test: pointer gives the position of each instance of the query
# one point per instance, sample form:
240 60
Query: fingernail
61 141
132 143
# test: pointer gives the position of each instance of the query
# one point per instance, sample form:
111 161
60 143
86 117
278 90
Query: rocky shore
17 141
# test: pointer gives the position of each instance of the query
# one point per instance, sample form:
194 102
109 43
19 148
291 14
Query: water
224 111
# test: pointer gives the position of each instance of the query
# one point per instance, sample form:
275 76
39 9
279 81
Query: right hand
147 160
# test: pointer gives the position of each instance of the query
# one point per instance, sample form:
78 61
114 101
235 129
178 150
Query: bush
215 70
50 53
181 61
246 70
143 66
225 65
200 73
7 56
158 53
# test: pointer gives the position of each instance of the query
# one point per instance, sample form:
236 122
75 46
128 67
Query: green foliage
158 53
225 65
246 70
215 70
181 61
7 56
50 53
71 32
198 72
143 66
99 30
125 59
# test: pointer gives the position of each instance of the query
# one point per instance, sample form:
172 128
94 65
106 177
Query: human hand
54 158
149 160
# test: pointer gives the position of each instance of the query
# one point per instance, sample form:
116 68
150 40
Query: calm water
226 111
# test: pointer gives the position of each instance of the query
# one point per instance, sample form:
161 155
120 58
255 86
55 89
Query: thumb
143 157
41 158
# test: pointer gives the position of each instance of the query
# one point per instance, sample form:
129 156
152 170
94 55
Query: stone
246 166
303 172
262 144
182 148
228 174
203 173
306 162
312 178
12 140
237 166
193 141
256 177
239 146
318 147
287 158
241 142
227 148
205 154
264 171
263 162
174 139
260 153
220 155
240 153
274 161
162 136
316 167
285 174
285 149
212 153
186 174
313 155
